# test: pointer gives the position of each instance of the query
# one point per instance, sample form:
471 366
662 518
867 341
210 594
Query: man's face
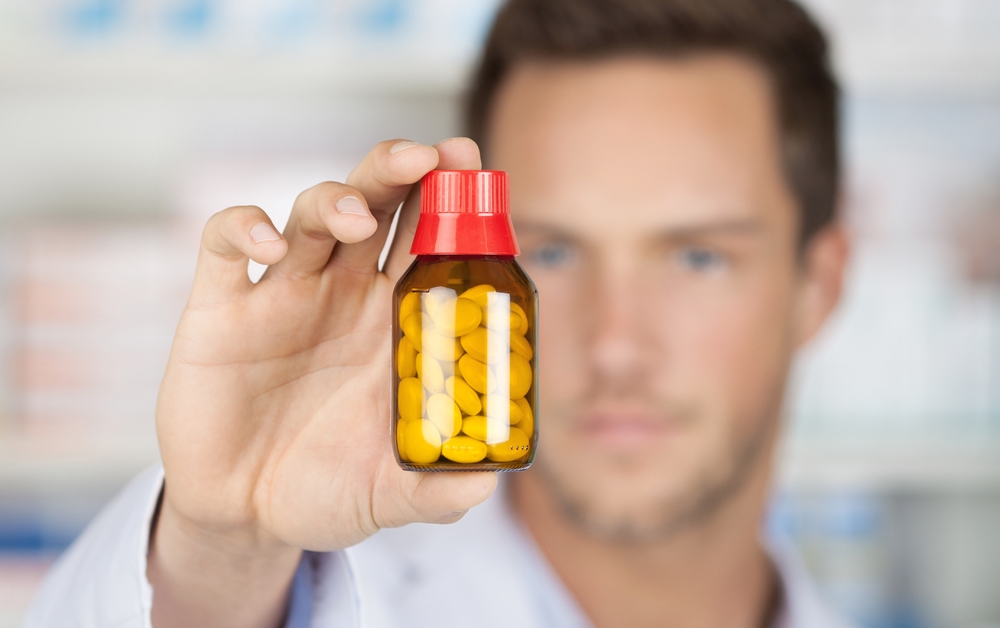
654 218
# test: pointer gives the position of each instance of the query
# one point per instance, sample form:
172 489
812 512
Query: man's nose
616 348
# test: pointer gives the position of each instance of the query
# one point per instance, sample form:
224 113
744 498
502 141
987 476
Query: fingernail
401 146
452 517
352 205
263 232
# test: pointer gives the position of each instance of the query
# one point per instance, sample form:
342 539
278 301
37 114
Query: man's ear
821 280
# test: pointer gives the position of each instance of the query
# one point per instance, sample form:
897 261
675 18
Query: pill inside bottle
465 330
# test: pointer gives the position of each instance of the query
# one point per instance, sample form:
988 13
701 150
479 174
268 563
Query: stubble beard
715 484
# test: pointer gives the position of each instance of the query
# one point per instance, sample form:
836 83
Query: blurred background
125 124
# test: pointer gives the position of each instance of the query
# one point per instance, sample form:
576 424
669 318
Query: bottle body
465 365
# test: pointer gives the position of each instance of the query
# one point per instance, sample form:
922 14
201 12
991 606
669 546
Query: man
674 168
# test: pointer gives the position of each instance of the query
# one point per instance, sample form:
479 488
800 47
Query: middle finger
385 177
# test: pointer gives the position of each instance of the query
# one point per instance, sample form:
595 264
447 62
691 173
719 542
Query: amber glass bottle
465 325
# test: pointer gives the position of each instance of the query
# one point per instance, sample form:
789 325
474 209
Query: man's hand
273 415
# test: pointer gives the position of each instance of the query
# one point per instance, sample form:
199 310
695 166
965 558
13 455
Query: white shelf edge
190 74
812 466
22 473
800 467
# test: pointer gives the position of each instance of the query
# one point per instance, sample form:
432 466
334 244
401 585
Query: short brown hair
777 34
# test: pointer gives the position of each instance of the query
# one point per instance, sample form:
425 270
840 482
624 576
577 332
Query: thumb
431 497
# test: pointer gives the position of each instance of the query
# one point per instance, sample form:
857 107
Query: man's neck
713 574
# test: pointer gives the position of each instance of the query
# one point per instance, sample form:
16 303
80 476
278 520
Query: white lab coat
482 571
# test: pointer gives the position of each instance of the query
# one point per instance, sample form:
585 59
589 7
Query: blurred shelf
53 474
864 72
929 47
813 466
233 75
221 47
802 467
879 46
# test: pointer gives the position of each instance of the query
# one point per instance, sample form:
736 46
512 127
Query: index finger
457 153
386 173
384 178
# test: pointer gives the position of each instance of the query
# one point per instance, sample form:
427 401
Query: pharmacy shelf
403 74
802 467
234 75
866 466
865 67
43 474
879 46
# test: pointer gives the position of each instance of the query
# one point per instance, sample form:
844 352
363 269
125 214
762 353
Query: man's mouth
627 428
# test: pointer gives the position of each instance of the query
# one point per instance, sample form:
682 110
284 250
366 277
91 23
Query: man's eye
554 255
700 259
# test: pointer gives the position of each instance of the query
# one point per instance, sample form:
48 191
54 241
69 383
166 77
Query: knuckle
212 225
384 146
236 213
335 189
327 190
350 190
221 225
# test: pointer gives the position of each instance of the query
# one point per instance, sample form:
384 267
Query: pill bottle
465 330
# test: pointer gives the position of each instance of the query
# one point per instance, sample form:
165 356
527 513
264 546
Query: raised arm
273 414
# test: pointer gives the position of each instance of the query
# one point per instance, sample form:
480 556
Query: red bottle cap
464 212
